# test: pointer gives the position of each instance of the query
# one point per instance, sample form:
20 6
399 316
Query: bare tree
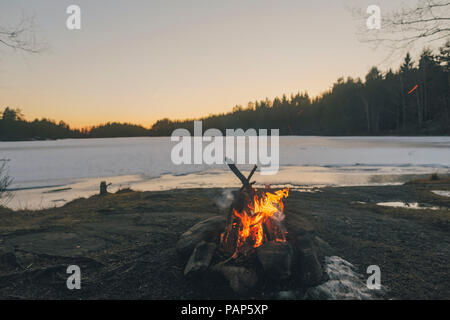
21 36
427 21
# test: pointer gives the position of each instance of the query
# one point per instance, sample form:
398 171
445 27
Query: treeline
13 126
414 99
381 104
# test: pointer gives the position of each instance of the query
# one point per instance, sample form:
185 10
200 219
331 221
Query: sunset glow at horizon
150 60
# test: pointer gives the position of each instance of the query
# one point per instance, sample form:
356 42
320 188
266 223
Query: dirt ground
124 243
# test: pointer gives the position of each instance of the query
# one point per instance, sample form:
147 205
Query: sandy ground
125 242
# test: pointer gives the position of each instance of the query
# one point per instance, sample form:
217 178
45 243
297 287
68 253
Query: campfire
250 245
255 218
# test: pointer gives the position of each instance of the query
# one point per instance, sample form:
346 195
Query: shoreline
126 241
412 135
55 193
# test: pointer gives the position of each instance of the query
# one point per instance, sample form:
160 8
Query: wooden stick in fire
245 181
245 193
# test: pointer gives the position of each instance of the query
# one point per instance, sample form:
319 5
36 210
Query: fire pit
254 218
252 248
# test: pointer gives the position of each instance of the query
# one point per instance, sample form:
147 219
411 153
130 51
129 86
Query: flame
266 210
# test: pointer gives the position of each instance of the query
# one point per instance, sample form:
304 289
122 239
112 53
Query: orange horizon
149 124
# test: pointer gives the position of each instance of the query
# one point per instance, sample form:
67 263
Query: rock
276 259
321 247
200 258
310 268
208 230
286 295
311 273
324 249
240 279
343 284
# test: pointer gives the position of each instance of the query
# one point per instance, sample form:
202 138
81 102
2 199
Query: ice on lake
74 167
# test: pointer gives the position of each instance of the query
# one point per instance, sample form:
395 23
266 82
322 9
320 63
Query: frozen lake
49 173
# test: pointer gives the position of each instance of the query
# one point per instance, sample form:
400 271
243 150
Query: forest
411 100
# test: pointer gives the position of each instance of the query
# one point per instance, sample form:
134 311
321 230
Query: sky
142 60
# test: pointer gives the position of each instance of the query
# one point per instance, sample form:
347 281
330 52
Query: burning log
254 217
229 237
